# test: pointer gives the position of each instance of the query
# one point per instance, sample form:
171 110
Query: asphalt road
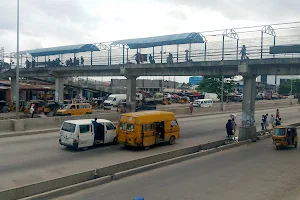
35 158
256 171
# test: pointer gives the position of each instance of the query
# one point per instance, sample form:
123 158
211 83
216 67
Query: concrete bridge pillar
79 93
59 90
131 94
12 89
248 128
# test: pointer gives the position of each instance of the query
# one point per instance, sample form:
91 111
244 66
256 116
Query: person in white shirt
31 111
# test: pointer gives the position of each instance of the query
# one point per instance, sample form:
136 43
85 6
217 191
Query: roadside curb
120 175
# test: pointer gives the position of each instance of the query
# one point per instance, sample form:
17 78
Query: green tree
285 88
213 84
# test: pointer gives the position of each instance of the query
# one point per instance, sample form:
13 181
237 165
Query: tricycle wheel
172 140
277 148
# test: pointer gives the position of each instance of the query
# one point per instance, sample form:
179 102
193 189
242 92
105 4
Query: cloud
177 14
54 21
273 11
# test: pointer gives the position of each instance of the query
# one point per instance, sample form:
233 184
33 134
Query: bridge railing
213 49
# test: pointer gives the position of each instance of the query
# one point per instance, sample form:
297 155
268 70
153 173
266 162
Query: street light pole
18 55
222 94
291 91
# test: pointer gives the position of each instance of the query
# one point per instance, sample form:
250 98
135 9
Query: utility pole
222 94
291 91
18 55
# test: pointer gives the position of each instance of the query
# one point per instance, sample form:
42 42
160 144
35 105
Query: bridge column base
131 94
59 90
248 128
246 133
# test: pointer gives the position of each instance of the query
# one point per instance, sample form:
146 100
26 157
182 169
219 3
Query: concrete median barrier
38 188
49 122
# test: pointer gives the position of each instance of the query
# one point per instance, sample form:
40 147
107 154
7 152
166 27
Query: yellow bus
146 128
75 109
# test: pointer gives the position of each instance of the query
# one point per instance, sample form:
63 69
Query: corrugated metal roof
183 38
62 50
36 87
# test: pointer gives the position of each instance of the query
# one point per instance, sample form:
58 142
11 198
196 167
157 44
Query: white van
80 134
114 100
212 96
203 103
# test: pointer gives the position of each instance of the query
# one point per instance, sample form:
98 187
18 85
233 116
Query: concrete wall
51 122
6 126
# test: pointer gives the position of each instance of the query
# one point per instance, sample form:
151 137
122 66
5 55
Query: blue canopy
62 50
183 38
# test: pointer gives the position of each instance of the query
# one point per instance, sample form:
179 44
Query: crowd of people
274 121
141 58
266 121
55 62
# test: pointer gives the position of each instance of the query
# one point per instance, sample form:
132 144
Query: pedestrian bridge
187 54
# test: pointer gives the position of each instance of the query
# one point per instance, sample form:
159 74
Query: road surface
256 171
35 158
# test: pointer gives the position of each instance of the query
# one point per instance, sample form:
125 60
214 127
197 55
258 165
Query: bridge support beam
12 89
248 128
131 94
59 90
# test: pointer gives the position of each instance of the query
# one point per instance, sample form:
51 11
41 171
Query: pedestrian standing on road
229 129
262 122
99 104
31 111
278 121
277 114
234 124
266 121
191 108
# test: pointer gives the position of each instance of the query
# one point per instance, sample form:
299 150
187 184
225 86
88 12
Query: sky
48 23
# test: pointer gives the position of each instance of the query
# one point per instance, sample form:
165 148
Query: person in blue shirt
95 124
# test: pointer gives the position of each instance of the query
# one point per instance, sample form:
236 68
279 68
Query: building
195 80
27 91
260 86
145 84
270 79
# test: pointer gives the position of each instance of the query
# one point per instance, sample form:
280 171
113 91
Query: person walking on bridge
244 53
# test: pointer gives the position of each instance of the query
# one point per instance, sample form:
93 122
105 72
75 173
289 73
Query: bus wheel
83 149
115 141
146 147
172 140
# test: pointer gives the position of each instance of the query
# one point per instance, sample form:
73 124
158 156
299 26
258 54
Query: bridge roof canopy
78 48
183 38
